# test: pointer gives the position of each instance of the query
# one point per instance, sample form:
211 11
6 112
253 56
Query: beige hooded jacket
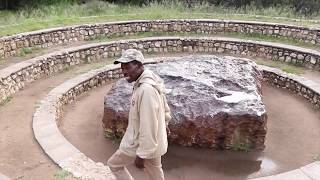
149 115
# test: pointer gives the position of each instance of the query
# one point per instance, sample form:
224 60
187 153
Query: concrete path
3 177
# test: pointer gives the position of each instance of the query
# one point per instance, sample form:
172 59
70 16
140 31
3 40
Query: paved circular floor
292 140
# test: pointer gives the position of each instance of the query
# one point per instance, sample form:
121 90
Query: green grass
66 68
261 37
240 141
94 65
61 175
114 137
6 100
20 177
289 68
241 147
25 51
37 104
28 19
29 50
64 175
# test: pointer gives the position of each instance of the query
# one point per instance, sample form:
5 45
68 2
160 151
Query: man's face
131 71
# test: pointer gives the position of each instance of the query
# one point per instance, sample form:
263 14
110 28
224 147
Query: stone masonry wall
14 78
296 84
10 45
96 80
46 131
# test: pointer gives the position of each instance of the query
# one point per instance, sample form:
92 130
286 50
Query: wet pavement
292 140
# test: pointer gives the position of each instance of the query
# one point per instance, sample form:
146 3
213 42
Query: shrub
14 4
306 7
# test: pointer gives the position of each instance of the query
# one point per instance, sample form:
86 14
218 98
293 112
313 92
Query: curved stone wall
72 160
310 90
48 135
10 45
15 77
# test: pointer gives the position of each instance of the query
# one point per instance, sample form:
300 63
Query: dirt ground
312 75
20 155
292 140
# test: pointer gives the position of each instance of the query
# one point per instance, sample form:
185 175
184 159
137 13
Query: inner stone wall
10 45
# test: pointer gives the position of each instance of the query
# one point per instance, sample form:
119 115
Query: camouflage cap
130 55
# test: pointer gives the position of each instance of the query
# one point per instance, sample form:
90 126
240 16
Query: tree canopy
305 7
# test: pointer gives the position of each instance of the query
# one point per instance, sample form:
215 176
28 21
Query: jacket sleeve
148 130
166 110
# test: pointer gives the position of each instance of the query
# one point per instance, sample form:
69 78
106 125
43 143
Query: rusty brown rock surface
215 102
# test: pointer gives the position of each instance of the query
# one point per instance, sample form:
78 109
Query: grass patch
241 147
240 141
20 177
114 37
66 68
94 11
282 40
2 61
6 100
288 68
253 36
113 136
37 104
29 50
97 38
25 51
98 65
92 66
61 175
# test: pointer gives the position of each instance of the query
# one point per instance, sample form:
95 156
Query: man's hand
139 162
168 130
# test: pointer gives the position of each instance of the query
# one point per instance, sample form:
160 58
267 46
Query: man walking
145 139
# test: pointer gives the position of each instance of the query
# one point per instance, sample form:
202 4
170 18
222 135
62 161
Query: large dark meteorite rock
215 102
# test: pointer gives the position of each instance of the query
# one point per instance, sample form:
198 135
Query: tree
9 4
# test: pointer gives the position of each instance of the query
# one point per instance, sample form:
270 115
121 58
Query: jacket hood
151 78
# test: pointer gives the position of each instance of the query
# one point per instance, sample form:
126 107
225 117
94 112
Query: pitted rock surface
215 102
